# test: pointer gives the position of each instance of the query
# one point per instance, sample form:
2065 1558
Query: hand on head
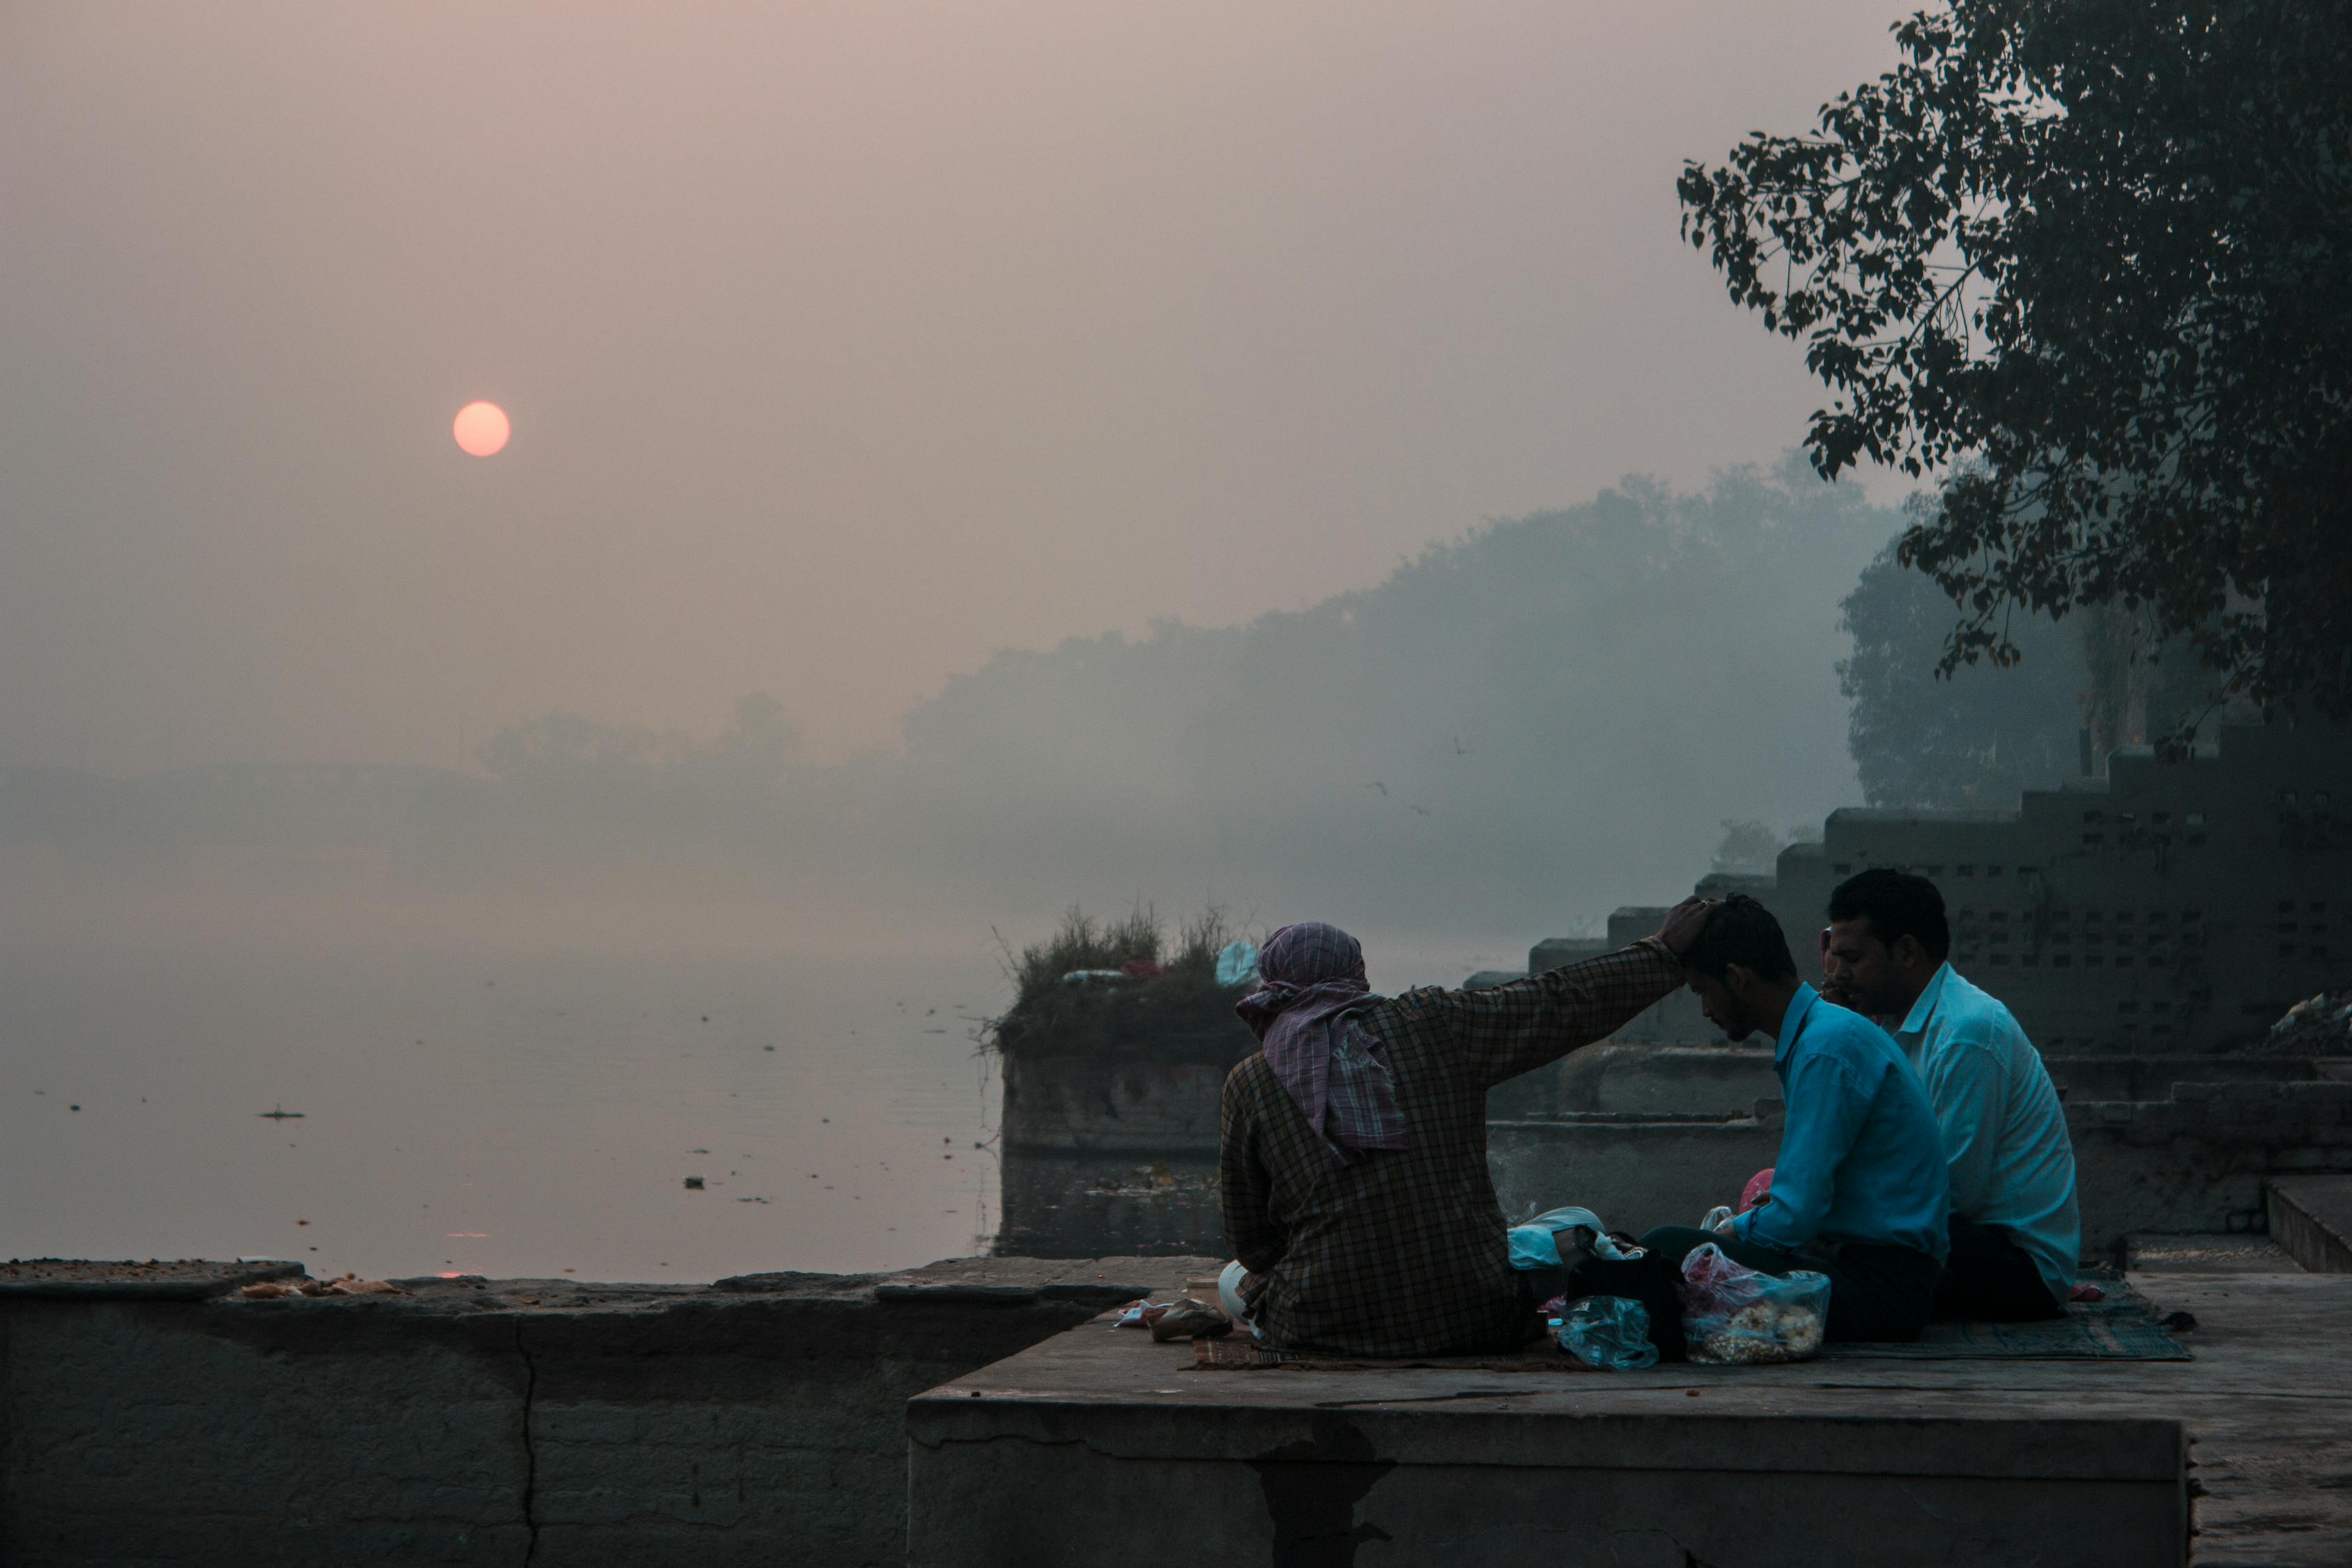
1684 921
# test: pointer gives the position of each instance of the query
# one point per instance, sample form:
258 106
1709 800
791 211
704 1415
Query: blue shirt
2011 1160
1860 1159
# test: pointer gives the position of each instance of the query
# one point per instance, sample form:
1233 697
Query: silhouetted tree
2100 252
1968 737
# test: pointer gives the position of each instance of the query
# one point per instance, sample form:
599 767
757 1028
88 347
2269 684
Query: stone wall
496 1422
2193 1163
1113 1068
2171 906
1108 1104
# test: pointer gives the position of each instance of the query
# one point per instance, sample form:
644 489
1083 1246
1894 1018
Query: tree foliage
1976 738
2089 258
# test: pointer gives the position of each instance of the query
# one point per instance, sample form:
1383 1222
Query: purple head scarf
1306 1014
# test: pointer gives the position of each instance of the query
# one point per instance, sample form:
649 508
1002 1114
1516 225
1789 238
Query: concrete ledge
1878 1462
756 1421
2311 1216
185 1279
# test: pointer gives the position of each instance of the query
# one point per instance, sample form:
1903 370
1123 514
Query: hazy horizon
845 346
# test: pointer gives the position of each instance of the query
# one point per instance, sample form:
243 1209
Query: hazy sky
843 343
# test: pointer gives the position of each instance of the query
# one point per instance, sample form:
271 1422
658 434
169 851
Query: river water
524 1114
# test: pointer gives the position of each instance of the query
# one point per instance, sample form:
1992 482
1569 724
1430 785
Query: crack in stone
529 1453
1429 1398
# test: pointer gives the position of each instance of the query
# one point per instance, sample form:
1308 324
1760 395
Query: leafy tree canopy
2092 259
1976 738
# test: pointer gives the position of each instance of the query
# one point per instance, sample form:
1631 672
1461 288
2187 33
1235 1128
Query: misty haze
575 584
959 469
873 782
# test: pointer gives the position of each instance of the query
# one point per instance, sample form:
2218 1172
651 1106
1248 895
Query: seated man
2015 1233
1858 1190
1354 1161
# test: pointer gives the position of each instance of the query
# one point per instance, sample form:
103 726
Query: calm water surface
531 1115
514 1116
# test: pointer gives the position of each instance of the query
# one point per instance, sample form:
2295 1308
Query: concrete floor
1102 1446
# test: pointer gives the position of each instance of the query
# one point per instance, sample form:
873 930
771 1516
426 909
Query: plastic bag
1236 963
1535 1244
1609 1333
1190 1320
1139 1314
1733 1315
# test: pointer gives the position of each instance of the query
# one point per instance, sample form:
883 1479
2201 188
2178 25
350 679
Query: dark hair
1897 904
1742 931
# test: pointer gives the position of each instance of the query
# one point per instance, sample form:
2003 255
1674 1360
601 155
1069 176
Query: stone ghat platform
1102 1448
150 1414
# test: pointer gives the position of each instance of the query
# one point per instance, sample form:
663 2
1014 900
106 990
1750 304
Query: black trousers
1991 1279
1875 1293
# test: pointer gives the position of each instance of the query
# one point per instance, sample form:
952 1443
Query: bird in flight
1422 809
1378 785
1459 749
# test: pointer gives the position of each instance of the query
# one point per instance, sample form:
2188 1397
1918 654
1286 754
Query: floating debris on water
280 1113
694 1183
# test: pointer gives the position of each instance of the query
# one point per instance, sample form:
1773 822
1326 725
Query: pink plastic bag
1734 1316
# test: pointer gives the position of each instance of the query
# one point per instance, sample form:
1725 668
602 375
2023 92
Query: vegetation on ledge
1167 1004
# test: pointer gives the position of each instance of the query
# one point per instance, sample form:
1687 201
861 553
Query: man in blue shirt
1859 1191
2016 1235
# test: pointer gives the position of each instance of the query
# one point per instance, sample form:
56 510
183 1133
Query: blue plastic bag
1238 963
1609 1333
1535 1244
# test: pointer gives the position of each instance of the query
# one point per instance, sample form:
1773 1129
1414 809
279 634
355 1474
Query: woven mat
1236 1352
2124 1327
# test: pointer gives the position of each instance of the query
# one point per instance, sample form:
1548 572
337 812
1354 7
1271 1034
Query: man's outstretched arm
1514 1028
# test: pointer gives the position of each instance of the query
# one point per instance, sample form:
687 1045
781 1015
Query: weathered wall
2174 906
1633 1172
1666 1080
2193 1163
1103 1104
500 1422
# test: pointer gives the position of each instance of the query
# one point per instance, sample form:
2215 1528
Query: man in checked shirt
1355 1192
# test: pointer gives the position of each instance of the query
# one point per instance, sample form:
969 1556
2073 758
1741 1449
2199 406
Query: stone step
2312 1219
2152 1252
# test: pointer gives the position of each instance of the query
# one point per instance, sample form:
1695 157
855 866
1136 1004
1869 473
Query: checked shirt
1401 1252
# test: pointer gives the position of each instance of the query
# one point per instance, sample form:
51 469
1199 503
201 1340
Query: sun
482 429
